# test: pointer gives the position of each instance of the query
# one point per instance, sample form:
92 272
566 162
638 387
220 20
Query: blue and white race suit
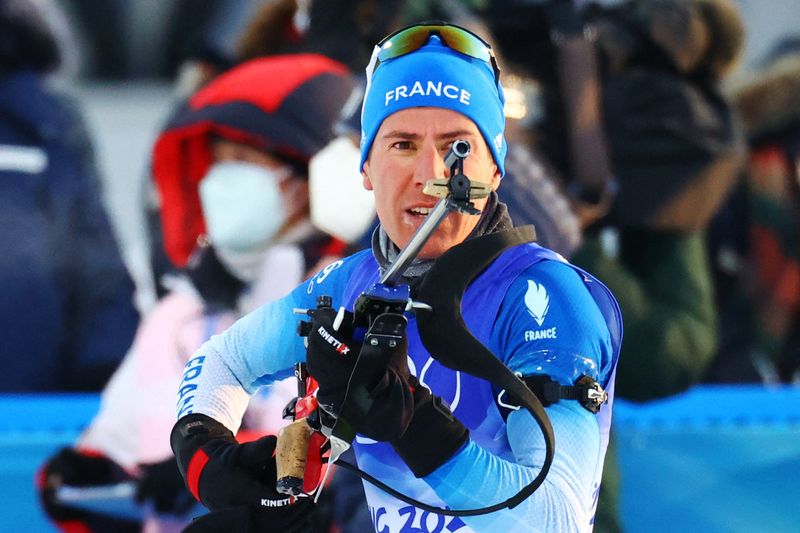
534 311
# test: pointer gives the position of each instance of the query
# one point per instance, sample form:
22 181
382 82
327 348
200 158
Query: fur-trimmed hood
768 103
284 104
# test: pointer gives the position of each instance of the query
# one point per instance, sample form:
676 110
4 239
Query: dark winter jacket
755 245
66 299
668 306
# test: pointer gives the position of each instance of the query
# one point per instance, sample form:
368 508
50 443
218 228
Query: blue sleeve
263 346
548 323
564 501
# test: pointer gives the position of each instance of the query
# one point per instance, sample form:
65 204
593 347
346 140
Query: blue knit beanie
436 76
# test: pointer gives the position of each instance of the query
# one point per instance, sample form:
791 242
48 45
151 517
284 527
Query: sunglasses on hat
412 38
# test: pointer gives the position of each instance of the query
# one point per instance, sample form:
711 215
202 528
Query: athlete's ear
495 177
365 175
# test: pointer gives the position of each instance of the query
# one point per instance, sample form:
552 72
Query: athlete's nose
429 164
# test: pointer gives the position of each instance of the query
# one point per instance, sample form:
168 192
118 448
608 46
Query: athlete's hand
374 374
433 436
224 474
74 468
247 519
162 485
331 357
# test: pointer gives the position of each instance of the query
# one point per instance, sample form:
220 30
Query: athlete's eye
402 145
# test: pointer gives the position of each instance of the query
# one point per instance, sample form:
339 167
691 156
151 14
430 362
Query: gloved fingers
258 453
379 352
250 518
162 484
394 384
391 410
327 316
296 518
324 338
221 487
231 519
73 467
331 355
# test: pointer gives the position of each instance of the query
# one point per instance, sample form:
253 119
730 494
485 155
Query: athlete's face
409 150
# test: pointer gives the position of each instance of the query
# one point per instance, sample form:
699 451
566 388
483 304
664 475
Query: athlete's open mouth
419 211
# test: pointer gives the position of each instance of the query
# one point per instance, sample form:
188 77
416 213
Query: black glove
433 436
246 519
380 402
161 483
222 473
331 357
72 468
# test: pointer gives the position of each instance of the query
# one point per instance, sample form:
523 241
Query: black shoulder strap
443 332
447 339
586 391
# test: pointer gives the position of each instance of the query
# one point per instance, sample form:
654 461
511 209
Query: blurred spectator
125 40
672 157
231 167
340 29
756 237
228 38
66 306
531 186
635 123
676 153
346 30
531 192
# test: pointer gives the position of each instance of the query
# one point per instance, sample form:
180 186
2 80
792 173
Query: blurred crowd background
655 143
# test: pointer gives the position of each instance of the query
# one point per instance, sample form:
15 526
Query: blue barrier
715 459
32 428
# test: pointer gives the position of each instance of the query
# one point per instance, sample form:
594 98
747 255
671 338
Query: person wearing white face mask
231 172
251 200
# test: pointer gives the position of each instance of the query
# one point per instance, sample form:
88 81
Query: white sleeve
259 349
209 387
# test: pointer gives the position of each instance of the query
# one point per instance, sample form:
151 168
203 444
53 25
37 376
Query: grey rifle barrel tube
416 243
458 150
